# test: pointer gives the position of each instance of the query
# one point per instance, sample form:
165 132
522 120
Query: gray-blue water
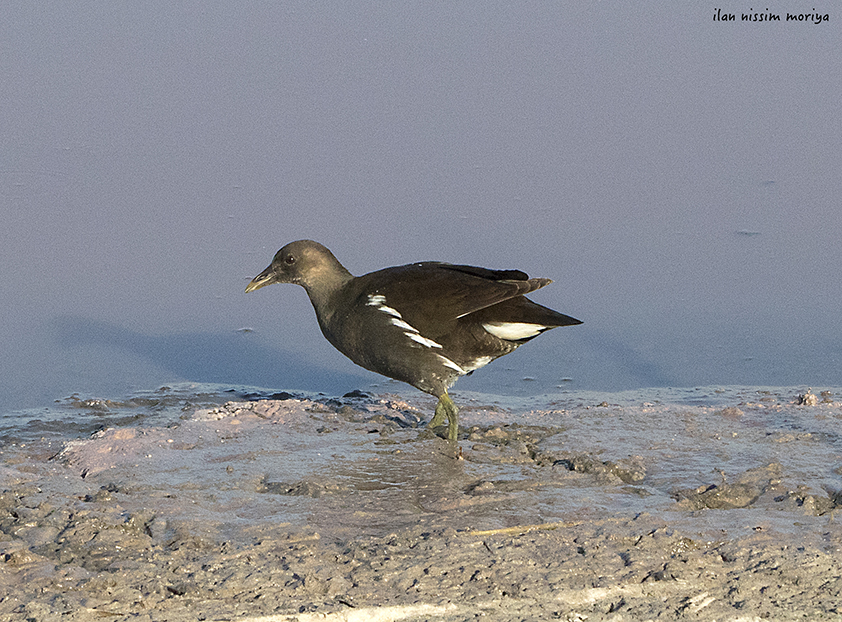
677 177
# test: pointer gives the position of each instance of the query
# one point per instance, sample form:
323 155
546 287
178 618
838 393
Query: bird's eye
289 260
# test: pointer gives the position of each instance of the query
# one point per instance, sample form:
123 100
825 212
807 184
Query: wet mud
720 504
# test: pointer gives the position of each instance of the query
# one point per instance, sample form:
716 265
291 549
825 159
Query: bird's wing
432 295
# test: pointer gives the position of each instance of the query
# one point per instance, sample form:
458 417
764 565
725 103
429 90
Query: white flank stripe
379 301
402 324
448 363
389 310
422 340
513 331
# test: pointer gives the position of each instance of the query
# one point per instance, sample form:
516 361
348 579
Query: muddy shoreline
348 508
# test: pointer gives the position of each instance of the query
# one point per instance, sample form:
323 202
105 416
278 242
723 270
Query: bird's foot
446 409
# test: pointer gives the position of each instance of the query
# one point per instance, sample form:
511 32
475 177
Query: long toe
438 418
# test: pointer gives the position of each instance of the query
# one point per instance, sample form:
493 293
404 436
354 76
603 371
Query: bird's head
304 263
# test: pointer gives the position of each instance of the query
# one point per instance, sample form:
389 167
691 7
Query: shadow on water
235 358
601 362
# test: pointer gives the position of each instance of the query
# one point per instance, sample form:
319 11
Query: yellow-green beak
267 277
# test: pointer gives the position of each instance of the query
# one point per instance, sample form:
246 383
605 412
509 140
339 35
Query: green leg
446 409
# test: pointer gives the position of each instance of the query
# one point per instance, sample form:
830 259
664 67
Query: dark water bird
425 324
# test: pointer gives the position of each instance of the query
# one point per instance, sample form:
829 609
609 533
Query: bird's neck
322 289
